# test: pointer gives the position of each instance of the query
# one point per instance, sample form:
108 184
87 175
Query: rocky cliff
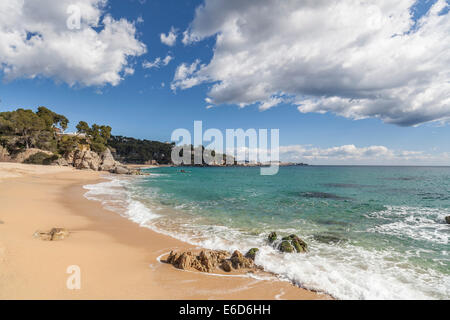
82 158
86 159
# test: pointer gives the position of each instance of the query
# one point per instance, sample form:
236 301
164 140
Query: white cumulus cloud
357 59
170 38
36 41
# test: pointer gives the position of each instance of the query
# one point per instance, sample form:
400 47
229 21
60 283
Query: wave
426 224
343 270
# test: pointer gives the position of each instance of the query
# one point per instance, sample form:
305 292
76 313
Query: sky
345 82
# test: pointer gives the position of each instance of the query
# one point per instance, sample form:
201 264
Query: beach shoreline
118 259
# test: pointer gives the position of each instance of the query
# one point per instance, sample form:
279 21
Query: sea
372 232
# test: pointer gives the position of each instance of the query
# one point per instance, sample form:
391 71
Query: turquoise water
373 232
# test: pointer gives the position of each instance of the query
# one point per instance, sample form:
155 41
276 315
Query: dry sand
117 258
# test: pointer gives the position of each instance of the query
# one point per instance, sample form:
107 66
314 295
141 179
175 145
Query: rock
329 238
152 163
61 162
121 170
184 261
24 155
240 262
209 260
69 157
4 154
172 257
206 261
108 162
53 235
286 246
227 266
1 222
85 159
447 219
134 172
251 254
299 245
59 234
272 237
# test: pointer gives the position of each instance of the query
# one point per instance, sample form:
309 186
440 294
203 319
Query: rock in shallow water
447 219
299 245
329 238
251 254
285 246
293 243
272 237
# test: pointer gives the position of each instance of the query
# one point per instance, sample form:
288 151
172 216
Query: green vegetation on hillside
130 150
41 158
98 135
23 129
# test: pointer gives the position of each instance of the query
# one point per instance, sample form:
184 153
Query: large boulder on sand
62 162
208 261
121 170
227 266
108 162
240 262
86 159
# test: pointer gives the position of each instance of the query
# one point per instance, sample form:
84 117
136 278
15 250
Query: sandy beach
117 258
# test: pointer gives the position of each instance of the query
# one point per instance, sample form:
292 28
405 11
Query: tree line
23 129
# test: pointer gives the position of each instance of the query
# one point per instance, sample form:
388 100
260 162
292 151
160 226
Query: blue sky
144 105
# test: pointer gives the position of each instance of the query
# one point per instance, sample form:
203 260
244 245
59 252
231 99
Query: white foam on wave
425 224
343 271
139 213
350 272
113 196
